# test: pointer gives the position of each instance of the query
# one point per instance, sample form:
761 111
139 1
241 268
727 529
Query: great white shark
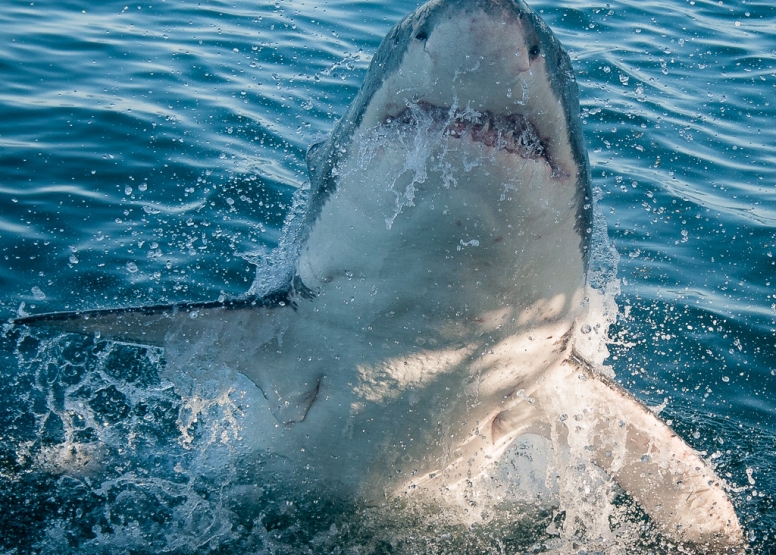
427 345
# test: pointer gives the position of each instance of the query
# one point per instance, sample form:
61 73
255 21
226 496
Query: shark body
426 345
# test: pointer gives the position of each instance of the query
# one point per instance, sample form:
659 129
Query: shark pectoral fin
290 406
663 474
670 481
150 325
143 326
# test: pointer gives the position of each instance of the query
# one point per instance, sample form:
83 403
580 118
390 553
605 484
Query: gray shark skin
428 347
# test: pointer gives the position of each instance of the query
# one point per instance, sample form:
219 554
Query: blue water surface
149 154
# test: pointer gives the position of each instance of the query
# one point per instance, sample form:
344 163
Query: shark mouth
512 133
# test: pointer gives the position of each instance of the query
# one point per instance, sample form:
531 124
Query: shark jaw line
509 132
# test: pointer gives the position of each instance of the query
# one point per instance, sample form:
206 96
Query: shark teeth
512 133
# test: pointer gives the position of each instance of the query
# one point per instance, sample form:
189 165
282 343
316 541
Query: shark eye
534 51
422 35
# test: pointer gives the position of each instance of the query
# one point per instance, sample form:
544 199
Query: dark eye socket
422 35
534 51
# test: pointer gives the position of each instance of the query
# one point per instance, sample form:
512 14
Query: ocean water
149 153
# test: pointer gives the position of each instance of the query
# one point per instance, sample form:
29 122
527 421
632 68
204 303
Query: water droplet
750 476
132 267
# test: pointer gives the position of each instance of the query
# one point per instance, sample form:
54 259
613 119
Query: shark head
492 70
464 150
495 57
